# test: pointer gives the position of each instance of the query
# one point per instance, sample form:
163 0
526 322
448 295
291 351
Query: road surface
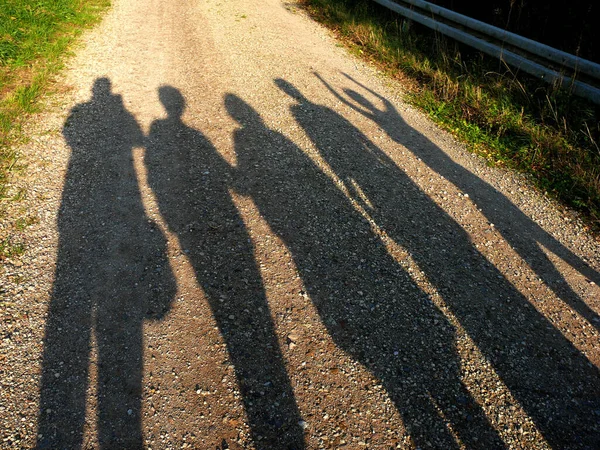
245 239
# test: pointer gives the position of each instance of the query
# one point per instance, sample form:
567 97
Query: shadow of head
360 99
241 111
290 90
172 100
102 87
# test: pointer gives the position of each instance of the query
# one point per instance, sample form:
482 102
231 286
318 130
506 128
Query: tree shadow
554 383
369 304
112 273
191 182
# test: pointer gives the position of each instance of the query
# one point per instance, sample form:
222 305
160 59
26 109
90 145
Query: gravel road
243 239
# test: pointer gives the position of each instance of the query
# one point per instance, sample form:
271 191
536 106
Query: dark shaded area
551 379
368 303
569 26
191 181
112 273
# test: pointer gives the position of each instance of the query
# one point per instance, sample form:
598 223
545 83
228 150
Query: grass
10 249
35 36
511 119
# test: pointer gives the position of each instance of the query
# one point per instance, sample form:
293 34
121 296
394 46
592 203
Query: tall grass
511 119
34 37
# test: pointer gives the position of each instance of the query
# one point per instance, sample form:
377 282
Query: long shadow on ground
555 384
112 273
369 304
191 181
524 235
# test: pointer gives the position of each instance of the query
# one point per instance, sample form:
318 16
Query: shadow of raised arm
524 235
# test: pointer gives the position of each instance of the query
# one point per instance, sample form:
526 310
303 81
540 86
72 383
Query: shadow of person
369 304
111 274
525 236
191 182
554 383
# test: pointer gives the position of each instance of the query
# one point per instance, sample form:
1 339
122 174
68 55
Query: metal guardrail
542 61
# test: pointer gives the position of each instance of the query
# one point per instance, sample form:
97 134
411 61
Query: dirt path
246 240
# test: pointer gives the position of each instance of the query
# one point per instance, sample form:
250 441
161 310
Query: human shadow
191 182
369 304
525 236
112 273
554 382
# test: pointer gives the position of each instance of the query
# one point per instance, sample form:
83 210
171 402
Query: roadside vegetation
509 118
34 39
